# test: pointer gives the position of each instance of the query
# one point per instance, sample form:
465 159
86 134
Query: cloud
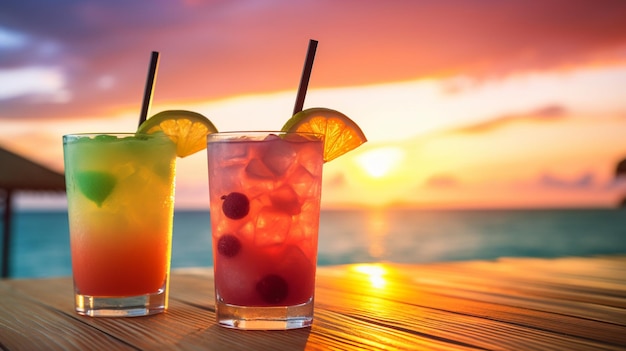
442 181
43 83
548 113
215 49
10 40
582 181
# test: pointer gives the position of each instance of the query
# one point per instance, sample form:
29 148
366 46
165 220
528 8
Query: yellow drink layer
121 192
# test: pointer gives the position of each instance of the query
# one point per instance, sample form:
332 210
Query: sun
378 162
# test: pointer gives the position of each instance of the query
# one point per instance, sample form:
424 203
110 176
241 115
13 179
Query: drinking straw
306 74
147 95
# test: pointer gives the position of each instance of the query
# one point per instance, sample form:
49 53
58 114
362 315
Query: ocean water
40 246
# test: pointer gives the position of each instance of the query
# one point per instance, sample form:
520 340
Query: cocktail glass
120 192
265 192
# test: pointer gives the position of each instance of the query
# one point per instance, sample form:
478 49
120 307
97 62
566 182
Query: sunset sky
466 104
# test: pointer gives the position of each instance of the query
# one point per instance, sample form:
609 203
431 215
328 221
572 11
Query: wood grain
508 304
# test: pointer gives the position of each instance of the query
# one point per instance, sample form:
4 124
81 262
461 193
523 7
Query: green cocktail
120 192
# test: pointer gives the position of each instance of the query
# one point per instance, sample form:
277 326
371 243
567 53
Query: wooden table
508 304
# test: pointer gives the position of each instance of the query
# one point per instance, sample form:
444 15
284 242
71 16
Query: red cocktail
265 192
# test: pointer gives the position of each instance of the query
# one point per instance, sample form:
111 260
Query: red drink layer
265 204
136 264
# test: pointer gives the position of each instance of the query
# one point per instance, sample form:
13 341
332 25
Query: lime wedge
95 185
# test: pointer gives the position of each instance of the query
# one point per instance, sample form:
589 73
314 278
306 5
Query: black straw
306 75
147 96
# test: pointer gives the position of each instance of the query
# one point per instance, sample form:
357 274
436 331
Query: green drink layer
101 166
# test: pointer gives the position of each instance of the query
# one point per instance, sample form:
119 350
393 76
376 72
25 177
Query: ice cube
228 153
226 226
293 259
256 169
285 199
225 180
271 137
278 156
310 156
163 170
125 170
303 182
305 225
272 227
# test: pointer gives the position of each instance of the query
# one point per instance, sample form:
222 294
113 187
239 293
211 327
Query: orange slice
341 134
187 129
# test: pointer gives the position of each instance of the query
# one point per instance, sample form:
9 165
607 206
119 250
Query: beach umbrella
620 170
18 173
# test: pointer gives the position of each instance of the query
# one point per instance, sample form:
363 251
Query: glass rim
154 135
222 135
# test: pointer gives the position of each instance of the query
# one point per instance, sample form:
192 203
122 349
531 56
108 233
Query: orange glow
379 162
464 118
374 272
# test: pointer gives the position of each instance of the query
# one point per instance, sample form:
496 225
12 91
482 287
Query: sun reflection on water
374 272
377 232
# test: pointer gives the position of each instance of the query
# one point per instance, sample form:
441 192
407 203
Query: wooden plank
326 333
214 337
457 322
599 276
604 293
341 331
520 323
162 330
525 304
26 324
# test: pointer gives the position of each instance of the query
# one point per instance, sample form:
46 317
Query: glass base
264 318
125 306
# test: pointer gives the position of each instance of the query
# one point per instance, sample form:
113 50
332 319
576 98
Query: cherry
235 205
228 245
272 288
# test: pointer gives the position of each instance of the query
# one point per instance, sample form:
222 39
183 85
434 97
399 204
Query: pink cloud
214 49
582 181
548 113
